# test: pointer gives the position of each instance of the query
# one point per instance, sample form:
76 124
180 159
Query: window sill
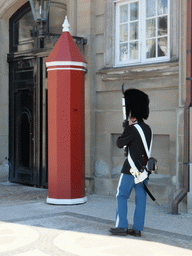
140 71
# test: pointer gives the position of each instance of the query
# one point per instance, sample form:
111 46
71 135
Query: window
23 34
21 29
142 31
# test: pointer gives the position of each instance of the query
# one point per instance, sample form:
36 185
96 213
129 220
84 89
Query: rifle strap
148 152
140 130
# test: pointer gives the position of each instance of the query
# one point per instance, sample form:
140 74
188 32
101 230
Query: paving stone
30 226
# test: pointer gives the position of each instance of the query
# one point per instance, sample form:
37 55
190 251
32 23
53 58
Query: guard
137 109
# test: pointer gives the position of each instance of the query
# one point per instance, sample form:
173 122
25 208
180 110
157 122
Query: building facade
141 43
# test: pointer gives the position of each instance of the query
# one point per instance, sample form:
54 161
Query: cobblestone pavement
82 235
29 226
13 194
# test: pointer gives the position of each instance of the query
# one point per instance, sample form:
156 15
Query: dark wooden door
28 113
22 123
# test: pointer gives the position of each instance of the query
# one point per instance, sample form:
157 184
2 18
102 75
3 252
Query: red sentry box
66 123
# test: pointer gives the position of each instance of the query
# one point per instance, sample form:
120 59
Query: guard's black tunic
131 138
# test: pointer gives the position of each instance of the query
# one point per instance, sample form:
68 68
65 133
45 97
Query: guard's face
133 120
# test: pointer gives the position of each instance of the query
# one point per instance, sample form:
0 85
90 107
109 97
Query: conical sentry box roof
65 50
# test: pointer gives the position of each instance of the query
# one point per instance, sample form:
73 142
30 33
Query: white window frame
142 35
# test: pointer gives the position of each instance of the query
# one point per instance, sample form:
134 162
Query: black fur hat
137 103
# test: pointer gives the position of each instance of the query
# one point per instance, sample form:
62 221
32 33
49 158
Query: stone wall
160 81
4 88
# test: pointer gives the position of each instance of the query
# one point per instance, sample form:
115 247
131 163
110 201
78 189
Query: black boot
119 231
133 232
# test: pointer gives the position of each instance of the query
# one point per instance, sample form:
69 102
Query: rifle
123 104
125 121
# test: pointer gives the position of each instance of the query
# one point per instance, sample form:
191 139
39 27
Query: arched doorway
28 162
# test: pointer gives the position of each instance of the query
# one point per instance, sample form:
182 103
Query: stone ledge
140 71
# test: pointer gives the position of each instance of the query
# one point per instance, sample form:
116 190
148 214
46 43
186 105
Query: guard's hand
125 124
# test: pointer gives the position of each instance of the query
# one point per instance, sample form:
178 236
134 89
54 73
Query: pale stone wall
186 204
182 98
160 82
163 93
4 89
86 13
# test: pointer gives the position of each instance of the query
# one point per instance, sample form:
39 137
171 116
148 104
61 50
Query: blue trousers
125 186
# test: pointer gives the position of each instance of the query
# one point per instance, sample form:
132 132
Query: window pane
134 51
134 11
123 33
162 26
25 26
134 31
24 30
124 13
151 48
150 8
162 46
162 7
151 28
123 52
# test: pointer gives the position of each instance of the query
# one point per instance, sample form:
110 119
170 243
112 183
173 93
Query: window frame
142 35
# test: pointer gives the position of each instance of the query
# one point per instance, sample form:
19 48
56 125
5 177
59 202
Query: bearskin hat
137 104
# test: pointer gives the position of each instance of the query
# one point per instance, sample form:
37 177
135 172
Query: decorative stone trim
139 71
